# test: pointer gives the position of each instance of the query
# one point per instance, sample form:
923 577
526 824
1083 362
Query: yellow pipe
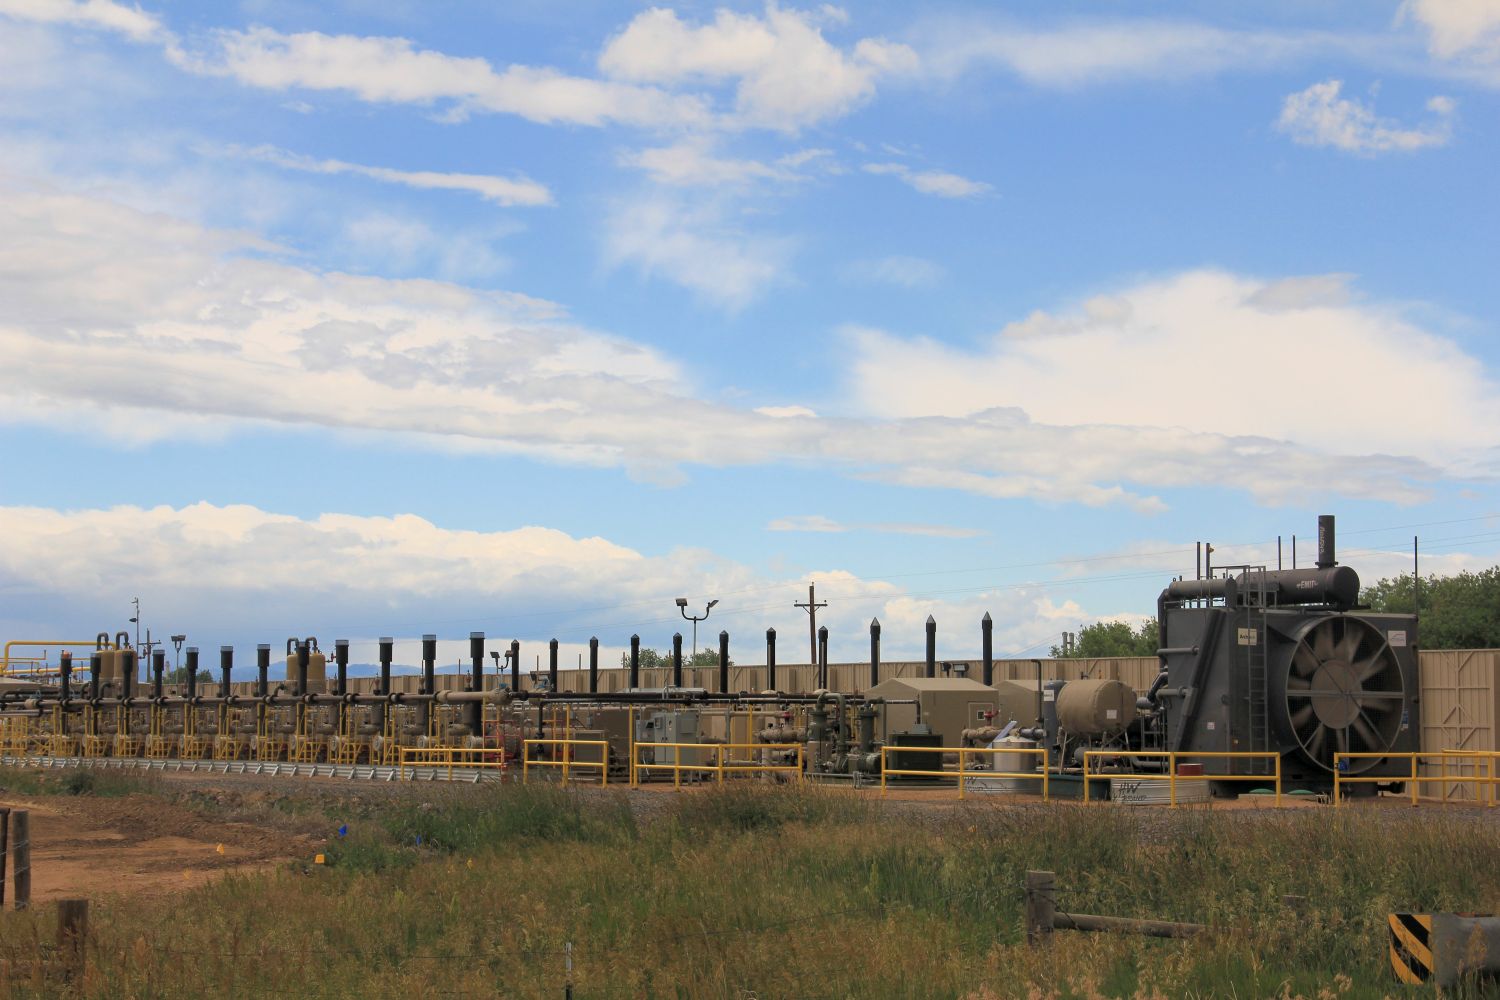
6 660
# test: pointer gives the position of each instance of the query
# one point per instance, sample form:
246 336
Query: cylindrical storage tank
1017 763
317 670
1095 707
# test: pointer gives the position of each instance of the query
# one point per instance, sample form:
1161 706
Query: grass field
778 892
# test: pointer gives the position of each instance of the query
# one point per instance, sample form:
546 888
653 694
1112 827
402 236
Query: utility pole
811 607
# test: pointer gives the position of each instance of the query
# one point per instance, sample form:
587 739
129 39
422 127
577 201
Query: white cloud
140 326
105 15
933 182
692 162
1318 116
394 70
1089 53
1139 358
818 524
785 412
899 270
786 74
698 247
500 190
1459 28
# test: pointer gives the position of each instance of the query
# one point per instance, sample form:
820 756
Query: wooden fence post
4 849
1041 906
72 934
20 823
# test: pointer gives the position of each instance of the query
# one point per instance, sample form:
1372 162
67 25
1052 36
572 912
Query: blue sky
385 318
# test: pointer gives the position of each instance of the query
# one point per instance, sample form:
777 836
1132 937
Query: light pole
695 619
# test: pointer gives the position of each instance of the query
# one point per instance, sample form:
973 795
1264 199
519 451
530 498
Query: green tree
1456 612
652 658
1113 639
178 675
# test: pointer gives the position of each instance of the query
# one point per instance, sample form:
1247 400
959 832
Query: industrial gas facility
1266 682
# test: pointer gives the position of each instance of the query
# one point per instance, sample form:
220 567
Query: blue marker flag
343 829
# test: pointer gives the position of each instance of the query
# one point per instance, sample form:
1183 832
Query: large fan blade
1366 669
1304 661
1295 683
1322 643
1367 734
1341 737
1385 744
1349 644
1301 716
1318 742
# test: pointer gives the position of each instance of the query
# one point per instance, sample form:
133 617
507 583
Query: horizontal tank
1095 707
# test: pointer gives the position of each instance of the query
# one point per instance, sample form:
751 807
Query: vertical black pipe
127 670
931 646
723 662
341 660
677 659
770 659
304 654
226 666
387 648
515 665
64 676
874 651
635 661
1326 552
552 664
158 670
95 665
594 665
987 634
262 670
823 657
429 664
192 671
476 653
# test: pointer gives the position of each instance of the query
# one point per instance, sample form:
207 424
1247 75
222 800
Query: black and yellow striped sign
1411 946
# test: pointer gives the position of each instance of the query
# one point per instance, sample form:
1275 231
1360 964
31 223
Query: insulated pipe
226 666
495 696
931 646
94 668
552 664
303 654
192 672
158 669
987 634
476 654
341 659
387 646
723 662
64 676
635 661
594 665
127 670
677 659
262 670
874 651
771 659
515 665
429 664
822 656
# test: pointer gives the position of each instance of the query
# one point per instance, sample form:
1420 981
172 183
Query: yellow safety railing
469 758
6 660
963 772
1414 759
568 764
720 766
1192 756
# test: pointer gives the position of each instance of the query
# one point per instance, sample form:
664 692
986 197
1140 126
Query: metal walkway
364 772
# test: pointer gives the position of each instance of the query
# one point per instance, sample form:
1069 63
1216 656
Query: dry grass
789 893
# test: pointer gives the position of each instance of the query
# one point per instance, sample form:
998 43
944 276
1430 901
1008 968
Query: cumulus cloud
500 190
934 182
142 325
694 162
103 15
1459 29
1318 116
818 524
241 574
786 74
395 71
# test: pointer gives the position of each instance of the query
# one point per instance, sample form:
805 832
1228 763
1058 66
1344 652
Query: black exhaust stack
1326 558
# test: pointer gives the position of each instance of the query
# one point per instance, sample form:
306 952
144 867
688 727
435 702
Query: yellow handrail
567 763
719 767
5 661
1173 756
963 772
1415 758
481 758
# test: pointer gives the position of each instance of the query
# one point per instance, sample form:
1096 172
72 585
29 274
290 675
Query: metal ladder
1257 690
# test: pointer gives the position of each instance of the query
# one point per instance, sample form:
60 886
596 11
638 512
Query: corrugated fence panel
1460 709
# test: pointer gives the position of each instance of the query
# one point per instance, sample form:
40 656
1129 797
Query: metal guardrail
963 773
1174 756
452 758
367 772
567 763
1489 778
720 767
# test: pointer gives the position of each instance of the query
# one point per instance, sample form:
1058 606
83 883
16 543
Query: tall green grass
788 892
